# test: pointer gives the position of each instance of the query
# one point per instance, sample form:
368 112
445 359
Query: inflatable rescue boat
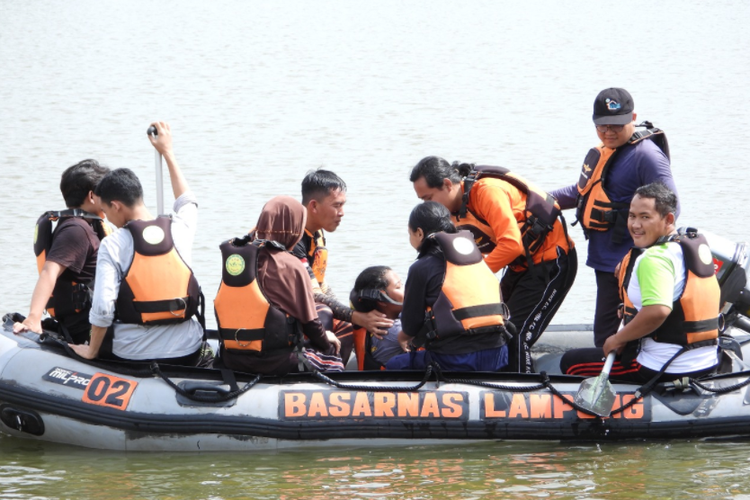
48 393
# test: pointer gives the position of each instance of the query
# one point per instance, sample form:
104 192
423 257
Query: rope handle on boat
204 398
369 388
722 390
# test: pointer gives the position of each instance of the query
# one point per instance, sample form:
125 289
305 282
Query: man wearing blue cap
625 160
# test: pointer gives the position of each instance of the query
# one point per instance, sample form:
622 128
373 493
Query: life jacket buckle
177 312
239 342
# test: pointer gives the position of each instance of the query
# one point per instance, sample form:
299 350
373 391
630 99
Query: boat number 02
108 390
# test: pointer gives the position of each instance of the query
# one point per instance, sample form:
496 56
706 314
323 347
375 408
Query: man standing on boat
66 257
625 160
146 295
324 196
670 298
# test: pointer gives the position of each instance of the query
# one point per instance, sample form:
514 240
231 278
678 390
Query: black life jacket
68 297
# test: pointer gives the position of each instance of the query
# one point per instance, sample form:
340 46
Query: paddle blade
596 395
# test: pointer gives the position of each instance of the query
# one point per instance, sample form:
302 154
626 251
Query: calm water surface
260 92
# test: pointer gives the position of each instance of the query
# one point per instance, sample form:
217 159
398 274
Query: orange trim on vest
162 277
472 285
594 199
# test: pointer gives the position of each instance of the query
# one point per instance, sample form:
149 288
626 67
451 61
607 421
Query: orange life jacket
318 256
594 208
694 320
68 297
470 301
541 212
247 321
159 288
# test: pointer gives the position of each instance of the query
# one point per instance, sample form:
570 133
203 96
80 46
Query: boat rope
544 384
204 394
721 390
490 385
372 388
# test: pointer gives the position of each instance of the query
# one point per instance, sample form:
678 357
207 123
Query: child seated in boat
379 288
265 301
452 301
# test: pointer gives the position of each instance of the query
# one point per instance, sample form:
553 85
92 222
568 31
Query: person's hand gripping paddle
159 181
596 393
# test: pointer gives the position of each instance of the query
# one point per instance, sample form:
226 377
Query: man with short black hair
67 257
671 300
625 160
146 295
324 196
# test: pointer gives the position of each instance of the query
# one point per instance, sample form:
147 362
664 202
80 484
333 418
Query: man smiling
670 300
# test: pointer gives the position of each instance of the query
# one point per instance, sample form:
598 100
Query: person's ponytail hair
431 217
463 169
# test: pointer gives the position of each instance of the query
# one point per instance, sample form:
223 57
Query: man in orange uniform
517 227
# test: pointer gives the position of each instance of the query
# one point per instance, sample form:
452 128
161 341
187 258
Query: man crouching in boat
145 294
671 300
66 257
452 302
265 301
324 197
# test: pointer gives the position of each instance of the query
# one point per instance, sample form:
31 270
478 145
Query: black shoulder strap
468 181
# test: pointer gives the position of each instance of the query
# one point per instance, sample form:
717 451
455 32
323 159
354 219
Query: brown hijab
282 276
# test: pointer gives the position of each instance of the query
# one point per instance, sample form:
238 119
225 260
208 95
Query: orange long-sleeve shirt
503 207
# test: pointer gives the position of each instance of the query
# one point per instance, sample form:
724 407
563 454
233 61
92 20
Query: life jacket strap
468 184
701 326
157 306
242 334
478 311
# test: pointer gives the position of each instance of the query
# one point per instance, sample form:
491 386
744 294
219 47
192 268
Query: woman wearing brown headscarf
286 285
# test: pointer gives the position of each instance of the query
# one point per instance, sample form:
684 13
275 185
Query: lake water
258 93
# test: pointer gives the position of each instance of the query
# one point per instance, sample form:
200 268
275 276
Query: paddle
159 180
596 393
